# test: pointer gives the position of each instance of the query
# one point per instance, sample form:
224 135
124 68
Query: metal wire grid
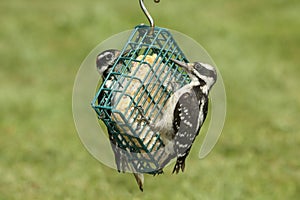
154 83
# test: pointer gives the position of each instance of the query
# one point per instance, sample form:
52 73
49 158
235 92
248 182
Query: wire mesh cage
138 86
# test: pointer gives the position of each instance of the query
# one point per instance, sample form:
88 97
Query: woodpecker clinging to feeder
105 62
185 111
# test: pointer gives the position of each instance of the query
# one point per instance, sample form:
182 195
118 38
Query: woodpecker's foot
143 117
158 172
101 116
115 79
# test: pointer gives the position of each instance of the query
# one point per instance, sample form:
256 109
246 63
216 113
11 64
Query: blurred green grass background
256 46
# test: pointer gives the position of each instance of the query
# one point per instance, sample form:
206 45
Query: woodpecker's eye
203 70
108 57
198 67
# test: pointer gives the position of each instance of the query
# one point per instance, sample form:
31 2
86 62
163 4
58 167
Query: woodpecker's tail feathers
180 164
140 180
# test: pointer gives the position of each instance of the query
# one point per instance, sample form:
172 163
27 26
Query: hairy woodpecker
185 112
104 63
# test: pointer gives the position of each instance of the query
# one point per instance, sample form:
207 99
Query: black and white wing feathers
189 116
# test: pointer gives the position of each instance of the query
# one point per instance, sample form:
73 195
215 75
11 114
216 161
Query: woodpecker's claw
143 117
158 172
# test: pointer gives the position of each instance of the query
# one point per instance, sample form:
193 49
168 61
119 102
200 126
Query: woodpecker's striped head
202 71
106 60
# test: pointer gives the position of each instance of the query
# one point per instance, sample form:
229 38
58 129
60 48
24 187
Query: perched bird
185 112
105 62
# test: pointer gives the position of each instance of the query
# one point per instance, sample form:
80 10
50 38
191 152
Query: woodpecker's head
106 60
202 71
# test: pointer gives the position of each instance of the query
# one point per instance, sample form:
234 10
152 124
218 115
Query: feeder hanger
146 12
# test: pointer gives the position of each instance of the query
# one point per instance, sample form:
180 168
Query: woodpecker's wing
189 116
186 117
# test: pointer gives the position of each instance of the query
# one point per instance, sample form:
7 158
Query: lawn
255 45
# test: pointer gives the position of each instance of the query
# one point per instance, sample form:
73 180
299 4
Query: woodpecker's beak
184 65
126 52
118 53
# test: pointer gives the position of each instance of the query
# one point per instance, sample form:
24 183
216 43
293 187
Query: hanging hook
150 19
